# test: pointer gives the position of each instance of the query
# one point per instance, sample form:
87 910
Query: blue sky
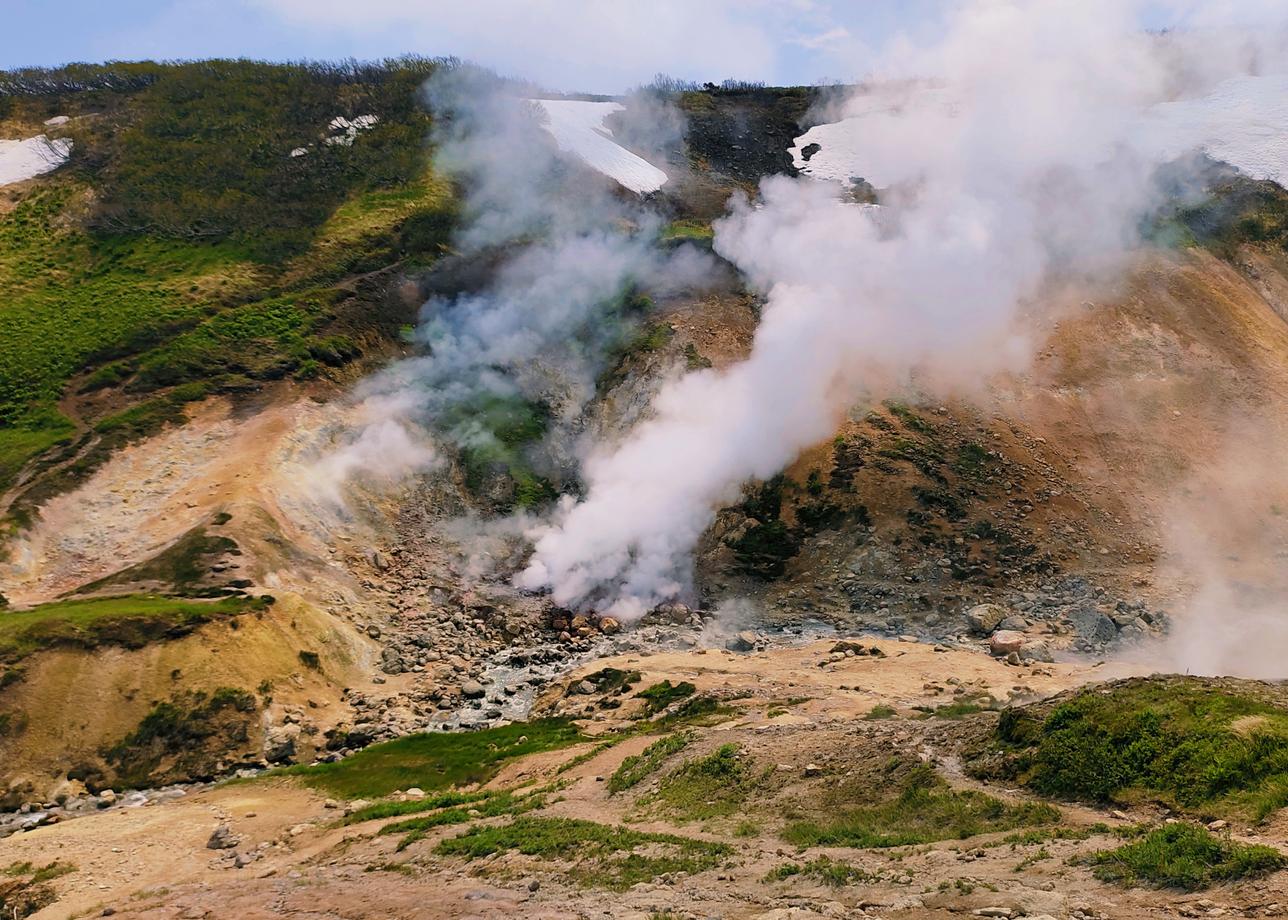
591 45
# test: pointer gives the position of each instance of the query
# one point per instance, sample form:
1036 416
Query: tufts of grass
439 760
491 806
1184 741
396 809
636 768
926 809
713 786
828 871
598 855
881 711
1185 856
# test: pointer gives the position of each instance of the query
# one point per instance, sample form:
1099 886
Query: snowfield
578 128
21 160
1243 122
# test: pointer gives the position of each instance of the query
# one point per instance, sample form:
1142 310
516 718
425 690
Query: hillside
296 362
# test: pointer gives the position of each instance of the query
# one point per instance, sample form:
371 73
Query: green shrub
1171 739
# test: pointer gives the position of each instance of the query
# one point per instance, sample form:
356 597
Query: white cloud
567 44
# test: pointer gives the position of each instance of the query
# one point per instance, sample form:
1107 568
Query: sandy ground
153 862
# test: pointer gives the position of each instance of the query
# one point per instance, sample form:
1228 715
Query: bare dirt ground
152 862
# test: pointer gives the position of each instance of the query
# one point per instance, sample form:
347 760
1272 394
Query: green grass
597 855
688 231
638 767
833 873
1185 856
1168 739
713 786
663 694
394 808
881 711
490 806
182 244
131 621
438 760
925 810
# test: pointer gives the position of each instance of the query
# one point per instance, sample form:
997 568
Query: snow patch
344 131
578 128
35 156
1243 122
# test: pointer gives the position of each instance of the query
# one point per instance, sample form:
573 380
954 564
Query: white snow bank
36 155
1243 122
578 128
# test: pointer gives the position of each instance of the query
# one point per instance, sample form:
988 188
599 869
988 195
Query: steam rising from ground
537 331
1227 538
1033 173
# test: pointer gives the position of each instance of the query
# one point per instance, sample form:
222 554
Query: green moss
1172 739
595 855
1185 856
490 806
436 761
925 810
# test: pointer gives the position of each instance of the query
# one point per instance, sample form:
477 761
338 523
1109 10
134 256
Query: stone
222 839
813 769
1005 642
744 641
610 626
984 618
415 792
472 690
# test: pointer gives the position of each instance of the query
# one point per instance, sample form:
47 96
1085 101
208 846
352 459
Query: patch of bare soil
291 858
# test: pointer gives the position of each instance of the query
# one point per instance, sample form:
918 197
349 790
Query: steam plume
1022 167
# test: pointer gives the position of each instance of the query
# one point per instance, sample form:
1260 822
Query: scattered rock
745 641
1005 642
984 618
222 839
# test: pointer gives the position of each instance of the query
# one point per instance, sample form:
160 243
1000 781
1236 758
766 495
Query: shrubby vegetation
183 244
1198 745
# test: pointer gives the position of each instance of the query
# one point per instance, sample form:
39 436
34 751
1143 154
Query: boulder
984 618
1005 641
222 839
472 690
745 641
610 625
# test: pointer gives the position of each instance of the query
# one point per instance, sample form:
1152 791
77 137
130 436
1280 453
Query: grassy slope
128 621
182 244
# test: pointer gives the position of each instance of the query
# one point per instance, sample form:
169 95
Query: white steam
561 248
1032 174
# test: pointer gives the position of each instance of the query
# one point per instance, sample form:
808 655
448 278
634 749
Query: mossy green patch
638 767
436 760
